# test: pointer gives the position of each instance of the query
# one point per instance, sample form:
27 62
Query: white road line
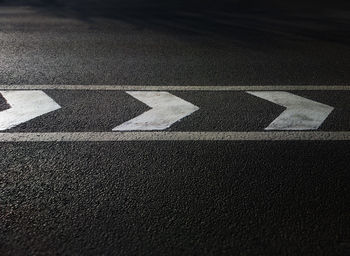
166 110
24 106
174 136
180 88
300 113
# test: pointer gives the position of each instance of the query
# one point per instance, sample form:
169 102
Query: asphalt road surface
215 181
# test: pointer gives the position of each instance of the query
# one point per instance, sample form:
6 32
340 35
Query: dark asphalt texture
174 198
48 47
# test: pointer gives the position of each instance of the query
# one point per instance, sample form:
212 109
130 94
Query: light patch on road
24 106
178 88
174 136
166 110
300 113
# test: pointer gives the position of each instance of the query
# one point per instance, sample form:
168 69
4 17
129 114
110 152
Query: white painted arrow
166 110
24 106
300 113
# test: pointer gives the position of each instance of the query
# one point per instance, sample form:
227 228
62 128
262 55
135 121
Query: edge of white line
179 88
175 136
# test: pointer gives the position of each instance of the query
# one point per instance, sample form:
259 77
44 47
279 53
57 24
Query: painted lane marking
300 113
24 106
175 136
179 88
166 110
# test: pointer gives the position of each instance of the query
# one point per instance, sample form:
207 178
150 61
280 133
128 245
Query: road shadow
251 22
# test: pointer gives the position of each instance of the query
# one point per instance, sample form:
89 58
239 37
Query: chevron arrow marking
166 110
300 113
24 106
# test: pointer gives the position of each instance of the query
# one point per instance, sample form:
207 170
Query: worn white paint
178 87
24 106
166 110
300 113
176 136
